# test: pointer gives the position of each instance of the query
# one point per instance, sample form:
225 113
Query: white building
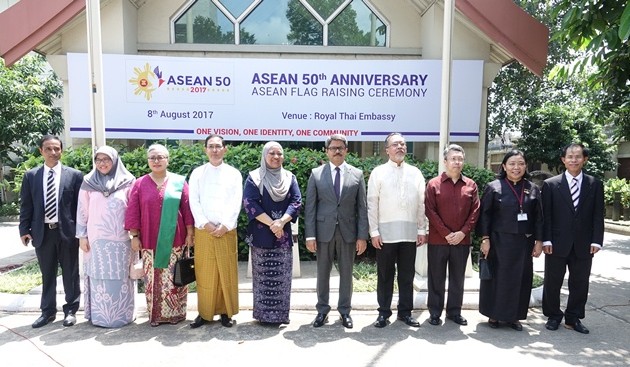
388 35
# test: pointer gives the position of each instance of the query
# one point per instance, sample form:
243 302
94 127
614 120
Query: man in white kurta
216 192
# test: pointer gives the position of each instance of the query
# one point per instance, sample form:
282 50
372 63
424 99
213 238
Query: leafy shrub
9 209
245 157
613 185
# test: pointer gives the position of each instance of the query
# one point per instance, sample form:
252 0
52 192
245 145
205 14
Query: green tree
550 112
547 129
600 30
28 91
516 90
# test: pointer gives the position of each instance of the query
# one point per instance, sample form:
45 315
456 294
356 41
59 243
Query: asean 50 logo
145 80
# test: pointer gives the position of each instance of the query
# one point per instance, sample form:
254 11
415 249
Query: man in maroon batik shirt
452 207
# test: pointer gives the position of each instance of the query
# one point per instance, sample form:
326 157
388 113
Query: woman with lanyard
511 226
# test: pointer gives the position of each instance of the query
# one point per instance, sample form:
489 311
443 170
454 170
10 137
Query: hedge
245 157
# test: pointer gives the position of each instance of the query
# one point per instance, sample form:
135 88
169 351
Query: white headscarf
117 178
277 181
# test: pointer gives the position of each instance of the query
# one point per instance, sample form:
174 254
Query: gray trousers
326 253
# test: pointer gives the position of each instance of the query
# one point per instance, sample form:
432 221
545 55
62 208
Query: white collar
570 176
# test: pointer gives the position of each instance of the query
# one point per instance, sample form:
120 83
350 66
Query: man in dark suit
335 224
48 219
573 210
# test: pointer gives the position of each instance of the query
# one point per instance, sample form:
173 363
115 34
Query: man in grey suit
48 215
335 224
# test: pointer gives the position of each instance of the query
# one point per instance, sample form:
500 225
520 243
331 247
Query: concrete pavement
607 316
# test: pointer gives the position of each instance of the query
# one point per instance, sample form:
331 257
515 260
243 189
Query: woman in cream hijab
272 200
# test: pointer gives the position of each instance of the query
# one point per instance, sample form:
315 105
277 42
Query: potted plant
608 198
625 202
612 197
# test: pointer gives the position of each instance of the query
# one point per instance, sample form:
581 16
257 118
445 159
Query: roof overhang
511 28
28 23
514 34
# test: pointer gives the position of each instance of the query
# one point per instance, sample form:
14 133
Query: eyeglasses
212 147
279 154
456 160
157 158
334 149
397 144
102 160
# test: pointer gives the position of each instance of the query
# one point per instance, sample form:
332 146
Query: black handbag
184 270
485 272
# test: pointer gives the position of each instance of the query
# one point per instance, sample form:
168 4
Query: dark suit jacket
32 203
323 212
567 227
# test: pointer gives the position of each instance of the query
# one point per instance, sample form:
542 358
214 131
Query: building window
280 22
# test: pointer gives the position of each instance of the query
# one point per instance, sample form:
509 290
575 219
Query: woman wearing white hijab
272 200
109 291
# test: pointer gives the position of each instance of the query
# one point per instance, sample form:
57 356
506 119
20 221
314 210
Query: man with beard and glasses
397 223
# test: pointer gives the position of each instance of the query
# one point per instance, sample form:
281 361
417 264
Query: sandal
493 323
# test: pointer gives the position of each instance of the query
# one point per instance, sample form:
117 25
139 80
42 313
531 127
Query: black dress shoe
577 326
552 324
516 325
381 321
320 319
197 322
434 320
458 319
70 319
43 320
346 321
493 323
226 321
409 320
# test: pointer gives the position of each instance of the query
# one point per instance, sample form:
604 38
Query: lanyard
520 200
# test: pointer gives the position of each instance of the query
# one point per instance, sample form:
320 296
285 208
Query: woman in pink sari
160 223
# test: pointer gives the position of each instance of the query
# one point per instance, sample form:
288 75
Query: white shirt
395 200
57 179
215 195
570 178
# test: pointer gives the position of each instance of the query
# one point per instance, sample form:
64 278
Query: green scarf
168 221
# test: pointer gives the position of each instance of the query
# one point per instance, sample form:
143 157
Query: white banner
149 97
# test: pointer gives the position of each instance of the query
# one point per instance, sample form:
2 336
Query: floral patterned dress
108 290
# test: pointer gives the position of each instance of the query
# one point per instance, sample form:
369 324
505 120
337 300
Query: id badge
521 217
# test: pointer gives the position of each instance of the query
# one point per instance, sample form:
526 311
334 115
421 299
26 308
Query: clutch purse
184 270
136 270
485 272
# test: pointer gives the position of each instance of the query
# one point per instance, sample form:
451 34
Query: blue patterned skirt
272 271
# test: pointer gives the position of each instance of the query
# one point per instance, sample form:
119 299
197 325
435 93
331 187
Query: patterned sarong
272 274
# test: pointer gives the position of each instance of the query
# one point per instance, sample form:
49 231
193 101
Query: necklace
159 182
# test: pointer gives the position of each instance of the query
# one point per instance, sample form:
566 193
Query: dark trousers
326 252
54 253
440 258
392 257
579 273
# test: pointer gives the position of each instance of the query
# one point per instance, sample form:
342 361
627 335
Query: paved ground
608 317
